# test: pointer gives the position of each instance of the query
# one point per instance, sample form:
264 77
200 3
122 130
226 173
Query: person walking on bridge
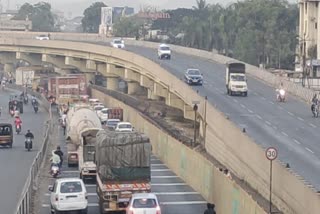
210 209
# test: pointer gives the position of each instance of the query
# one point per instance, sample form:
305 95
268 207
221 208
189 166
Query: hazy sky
78 6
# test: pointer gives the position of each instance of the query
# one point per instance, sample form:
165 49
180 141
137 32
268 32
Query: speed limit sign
271 153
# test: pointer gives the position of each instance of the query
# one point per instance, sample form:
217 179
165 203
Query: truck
236 81
123 168
25 76
69 88
82 126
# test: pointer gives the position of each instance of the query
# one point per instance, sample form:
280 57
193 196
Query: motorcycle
55 170
28 143
12 113
36 108
281 96
18 129
25 100
315 110
34 102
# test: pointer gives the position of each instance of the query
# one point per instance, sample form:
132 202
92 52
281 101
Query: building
309 36
13 25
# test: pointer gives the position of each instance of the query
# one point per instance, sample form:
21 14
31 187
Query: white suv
68 194
117 43
164 52
42 37
146 203
124 127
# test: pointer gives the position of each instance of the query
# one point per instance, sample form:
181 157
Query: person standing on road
210 209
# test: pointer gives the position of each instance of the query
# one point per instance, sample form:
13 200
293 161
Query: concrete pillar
9 69
133 87
152 96
113 83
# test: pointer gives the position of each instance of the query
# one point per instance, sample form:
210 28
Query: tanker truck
82 127
123 168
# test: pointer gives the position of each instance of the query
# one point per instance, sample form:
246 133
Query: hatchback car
164 52
124 127
42 37
117 43
143 203
193 77
68 194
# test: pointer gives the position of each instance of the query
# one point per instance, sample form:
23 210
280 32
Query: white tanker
82 127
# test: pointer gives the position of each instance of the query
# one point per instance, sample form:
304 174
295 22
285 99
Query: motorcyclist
18 121
279 89
60 154
55 159
29 134
315 102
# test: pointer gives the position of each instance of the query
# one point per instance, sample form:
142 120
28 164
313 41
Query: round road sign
271 153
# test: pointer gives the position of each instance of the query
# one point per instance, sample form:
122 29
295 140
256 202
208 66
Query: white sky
78 6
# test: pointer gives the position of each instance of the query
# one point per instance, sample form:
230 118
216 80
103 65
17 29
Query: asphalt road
288 126
15 163
175 196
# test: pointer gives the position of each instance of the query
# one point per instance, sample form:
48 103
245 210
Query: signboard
106 16
271 153
154 16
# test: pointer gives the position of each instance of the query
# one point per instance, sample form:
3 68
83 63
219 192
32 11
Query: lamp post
195 109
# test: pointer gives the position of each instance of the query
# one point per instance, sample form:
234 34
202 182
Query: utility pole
304 71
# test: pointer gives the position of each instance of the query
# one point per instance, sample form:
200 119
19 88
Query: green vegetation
92 18
254 31
40 14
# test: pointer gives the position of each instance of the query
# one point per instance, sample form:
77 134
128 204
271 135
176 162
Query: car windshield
194 72
98 108
125 126
238 78
43 36
71 187
5 130
165 48
144 203
117 41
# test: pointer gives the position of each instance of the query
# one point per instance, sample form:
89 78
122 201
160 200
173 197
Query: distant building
119 12
13 25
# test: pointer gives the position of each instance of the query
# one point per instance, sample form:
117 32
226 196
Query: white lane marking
309 150
176 193
243 106
249 110
169 184
89 205
165 176
290 113
234 100
296 141
279 107
299 118
312 125
70 171
271 102
255 93
267 122
285 134
160 170
258 116
182 202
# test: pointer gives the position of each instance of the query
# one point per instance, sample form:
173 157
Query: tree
92 17
128 26
40 14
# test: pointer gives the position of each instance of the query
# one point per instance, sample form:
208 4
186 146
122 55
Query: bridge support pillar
33 59
90 77
152 95
133 87
113 83
9 69
188 112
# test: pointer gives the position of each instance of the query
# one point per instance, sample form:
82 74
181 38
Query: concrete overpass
219 133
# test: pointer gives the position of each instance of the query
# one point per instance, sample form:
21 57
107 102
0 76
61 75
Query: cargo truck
82 127
236 81
123 168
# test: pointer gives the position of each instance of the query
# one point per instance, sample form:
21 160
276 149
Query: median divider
24 205
191 166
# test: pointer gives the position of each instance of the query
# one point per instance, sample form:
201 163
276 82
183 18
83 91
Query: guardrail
25 202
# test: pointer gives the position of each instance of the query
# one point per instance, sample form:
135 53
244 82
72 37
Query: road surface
287 126
174 194
15 163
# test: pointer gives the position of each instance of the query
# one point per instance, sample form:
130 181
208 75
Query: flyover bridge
287 126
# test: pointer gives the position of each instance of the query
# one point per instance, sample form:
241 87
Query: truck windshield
117 41
238 78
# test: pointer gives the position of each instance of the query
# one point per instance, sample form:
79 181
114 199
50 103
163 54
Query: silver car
193 77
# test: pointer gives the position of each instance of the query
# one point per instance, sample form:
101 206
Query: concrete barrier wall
269 78
192 167
224 140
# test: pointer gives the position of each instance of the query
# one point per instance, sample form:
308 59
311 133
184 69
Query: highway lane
175 196
15 163
288 126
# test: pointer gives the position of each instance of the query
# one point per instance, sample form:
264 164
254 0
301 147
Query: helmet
58 148
28 130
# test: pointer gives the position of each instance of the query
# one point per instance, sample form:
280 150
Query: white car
164 52
117 43
92 101
68 194
124 127
103 115
143 203
98 109
43 37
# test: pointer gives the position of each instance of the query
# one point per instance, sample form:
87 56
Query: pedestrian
210 209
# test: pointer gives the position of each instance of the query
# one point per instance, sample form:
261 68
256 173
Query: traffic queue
15 106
